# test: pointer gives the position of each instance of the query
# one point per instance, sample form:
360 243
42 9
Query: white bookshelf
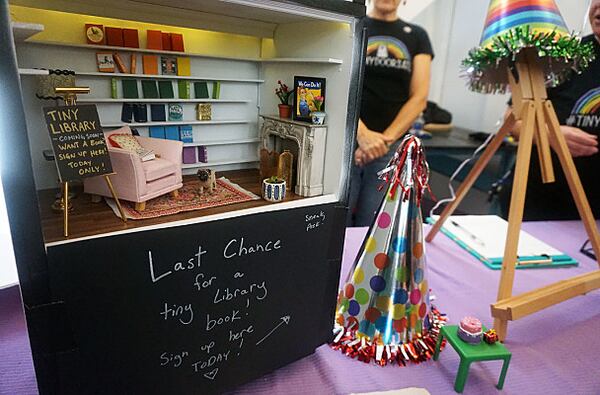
123 100
331 61
22 31
222 142
175 123
166 77
219 163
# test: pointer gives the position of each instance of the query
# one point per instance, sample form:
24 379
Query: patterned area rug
189 199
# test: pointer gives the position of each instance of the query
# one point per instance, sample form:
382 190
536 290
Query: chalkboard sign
197 308
78 142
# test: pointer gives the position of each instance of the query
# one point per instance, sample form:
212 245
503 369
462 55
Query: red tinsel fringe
420 349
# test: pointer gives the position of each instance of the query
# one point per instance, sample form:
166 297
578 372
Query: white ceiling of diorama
231 16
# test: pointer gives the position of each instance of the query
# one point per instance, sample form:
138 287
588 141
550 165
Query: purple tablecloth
554 351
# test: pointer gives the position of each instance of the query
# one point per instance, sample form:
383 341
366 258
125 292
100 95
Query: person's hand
579 142
372 145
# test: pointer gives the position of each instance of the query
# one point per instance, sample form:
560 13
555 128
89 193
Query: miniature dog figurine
207 180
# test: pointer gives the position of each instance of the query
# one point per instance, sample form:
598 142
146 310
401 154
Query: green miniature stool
470 353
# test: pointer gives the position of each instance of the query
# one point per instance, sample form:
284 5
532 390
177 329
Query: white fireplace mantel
311 140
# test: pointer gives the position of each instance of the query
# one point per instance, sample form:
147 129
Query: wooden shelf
22 31
172 123
166 77
222 142
193 55
219 163
102 100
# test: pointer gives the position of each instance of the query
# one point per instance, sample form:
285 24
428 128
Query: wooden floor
87 218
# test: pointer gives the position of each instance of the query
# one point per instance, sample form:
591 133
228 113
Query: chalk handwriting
212 360
192 263
167 358
313 221
201 283
233 336
259 291
185 314
229 318
238 248
208 347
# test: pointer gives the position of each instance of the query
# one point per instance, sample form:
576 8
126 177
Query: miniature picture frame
106 62
168 65
305 90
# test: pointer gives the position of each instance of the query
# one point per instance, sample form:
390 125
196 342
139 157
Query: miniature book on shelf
168 65
94 34
175 112
106 62
204 112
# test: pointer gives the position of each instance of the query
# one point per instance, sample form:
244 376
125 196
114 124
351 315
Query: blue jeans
364 199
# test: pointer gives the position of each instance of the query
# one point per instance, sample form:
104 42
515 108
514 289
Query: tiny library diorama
169 106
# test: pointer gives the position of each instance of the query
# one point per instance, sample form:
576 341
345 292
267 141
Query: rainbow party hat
384 312
514 25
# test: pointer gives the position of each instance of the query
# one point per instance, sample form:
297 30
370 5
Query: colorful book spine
119 62
189 155
216 93
202 154
133 64
157 132
183 89
113 88
186 134
172 133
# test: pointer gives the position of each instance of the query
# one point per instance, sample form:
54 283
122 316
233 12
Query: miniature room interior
215 92
376 197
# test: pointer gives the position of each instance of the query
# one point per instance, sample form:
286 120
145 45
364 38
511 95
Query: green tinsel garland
564 54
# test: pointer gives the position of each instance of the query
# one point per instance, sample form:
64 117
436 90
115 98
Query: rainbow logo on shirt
384 46
386 51
588 103
584 112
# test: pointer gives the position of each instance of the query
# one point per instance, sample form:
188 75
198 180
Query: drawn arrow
284 320
211 375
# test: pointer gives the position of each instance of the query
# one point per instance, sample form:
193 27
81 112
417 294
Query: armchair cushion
158 168
125 141
122 130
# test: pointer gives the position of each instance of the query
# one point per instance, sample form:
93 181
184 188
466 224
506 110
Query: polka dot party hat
383 312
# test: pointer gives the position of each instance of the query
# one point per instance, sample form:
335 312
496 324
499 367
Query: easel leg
65 190
515 216
583 206
480 165
114 195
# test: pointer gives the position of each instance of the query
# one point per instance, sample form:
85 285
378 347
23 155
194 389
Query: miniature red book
114 36
177 42
94 34
153 39
131 38
166 41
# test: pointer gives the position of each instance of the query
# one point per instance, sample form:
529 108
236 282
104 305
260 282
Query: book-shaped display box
483 237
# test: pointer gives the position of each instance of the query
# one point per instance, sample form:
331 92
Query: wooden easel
70 98
539 121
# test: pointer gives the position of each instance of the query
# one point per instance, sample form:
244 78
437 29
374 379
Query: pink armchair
138 181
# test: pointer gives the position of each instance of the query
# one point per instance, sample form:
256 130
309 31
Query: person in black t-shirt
395 90
577 105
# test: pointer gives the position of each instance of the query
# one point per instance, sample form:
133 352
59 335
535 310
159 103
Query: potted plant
284 93
318 116
273 189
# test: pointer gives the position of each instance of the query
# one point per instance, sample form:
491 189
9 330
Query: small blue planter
273 191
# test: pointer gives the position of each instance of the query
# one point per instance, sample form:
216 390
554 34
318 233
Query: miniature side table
311 141
470 353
